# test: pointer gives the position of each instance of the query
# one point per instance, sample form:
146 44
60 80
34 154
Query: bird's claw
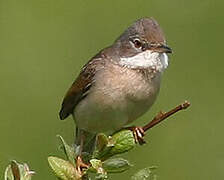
138 133
80 165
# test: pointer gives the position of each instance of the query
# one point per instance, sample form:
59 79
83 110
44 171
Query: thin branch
162 116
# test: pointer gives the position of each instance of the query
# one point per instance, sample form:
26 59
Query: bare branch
162 116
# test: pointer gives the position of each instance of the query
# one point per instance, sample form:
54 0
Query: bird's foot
138 133
80 165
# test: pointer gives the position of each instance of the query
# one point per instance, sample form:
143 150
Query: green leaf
64 170
116 165
8 173
123 141
102 141
103 146
101 177
145 174
68 150
16 171
97 165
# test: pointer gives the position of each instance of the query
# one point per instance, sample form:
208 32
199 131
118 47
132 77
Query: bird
119 84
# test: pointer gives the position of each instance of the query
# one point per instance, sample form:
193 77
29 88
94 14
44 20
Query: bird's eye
137 43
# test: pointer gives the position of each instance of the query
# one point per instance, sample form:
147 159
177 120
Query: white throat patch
147 59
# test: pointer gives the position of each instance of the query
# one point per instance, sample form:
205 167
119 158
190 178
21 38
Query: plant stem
162 116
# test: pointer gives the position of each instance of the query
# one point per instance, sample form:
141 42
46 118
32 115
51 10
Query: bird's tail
85 140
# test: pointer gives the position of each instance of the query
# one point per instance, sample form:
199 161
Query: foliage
103 161
146 173
17 171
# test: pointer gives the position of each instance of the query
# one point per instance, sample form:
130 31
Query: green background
43 45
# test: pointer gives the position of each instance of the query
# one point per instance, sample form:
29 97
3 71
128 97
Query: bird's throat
146 59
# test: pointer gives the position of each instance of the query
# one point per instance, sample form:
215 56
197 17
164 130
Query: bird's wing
81 86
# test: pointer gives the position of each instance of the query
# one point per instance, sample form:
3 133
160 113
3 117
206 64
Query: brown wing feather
80 87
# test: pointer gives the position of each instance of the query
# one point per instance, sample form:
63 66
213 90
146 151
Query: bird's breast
119 96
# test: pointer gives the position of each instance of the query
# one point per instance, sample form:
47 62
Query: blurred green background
43 45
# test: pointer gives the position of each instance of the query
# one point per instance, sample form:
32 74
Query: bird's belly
95 117
100 116
111 112
113 103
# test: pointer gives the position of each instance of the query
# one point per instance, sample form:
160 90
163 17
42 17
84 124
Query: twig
162 116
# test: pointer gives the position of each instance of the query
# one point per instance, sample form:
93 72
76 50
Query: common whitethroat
120 83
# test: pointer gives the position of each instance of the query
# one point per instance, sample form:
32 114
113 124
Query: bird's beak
161 48
165 49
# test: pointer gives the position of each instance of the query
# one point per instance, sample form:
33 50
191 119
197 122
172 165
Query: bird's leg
138 134
80 165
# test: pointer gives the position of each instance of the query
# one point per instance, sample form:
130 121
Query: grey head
144 34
